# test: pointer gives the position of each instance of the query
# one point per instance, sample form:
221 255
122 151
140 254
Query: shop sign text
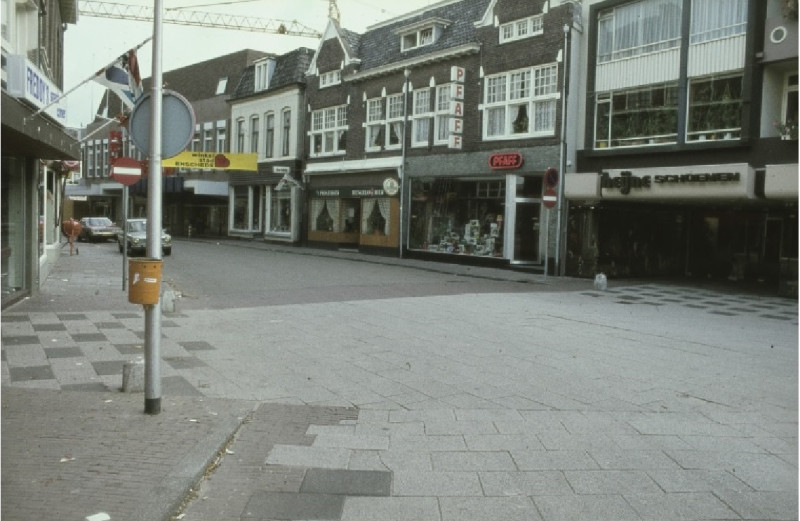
505 161
627 180
457 76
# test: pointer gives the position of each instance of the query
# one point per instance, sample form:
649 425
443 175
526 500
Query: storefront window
375 214
325 215
280 211
637 117
247 208
458 217
12 234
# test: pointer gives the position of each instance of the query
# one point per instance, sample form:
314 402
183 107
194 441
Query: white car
135 238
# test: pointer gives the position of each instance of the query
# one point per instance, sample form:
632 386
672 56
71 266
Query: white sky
94 42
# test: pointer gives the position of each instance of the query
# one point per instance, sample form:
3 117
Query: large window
254 122
375 122
715 108
421 122
712 19
287 128
519 29
441 121
521 103
637 117
208 140
394 120
240 136
329 131
638 28
417 39
269 135
280 212
221 140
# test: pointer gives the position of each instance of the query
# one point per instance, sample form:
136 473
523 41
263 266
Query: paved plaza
646 401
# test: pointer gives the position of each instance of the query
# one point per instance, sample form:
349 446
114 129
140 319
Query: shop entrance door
526 231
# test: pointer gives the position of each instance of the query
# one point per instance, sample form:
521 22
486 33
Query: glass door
526 232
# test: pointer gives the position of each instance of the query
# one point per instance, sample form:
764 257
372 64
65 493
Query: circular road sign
126 170
549 198
551 177
177 123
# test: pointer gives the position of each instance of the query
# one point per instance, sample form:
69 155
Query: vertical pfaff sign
456 122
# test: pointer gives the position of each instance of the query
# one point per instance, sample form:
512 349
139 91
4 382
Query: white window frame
240 135
329 79
634 18
208 139
269 134
221 131
329 126
286 132
254 133
441 124
522 28
506 95
222 84
419 38
715 19
394 120
374 124
261 75
421 118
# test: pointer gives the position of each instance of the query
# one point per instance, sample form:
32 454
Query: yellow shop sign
215 160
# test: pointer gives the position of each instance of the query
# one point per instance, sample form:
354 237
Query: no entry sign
126 170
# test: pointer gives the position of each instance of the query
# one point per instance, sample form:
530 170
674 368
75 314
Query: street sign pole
152 313
124 236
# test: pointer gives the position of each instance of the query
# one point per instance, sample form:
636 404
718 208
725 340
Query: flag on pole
122 77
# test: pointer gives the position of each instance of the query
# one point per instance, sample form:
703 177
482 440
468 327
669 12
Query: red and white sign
549 198
505 161
126 170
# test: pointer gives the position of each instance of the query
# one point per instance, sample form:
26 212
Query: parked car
97 229
135 238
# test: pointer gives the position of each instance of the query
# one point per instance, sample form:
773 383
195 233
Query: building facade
430 134
268 115
687 158
37 151
195 201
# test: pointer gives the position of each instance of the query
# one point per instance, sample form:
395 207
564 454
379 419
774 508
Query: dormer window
328 79
520 29
418 39
263 73
222 84
420 34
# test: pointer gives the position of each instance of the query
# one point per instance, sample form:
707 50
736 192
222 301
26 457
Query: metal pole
124 235
402 171
152 315
563 159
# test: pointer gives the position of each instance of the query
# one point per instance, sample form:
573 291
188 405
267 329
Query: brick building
429 135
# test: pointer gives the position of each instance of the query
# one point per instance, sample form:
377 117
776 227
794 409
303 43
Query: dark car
97 229
136 238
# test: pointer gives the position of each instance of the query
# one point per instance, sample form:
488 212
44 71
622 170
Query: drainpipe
401 172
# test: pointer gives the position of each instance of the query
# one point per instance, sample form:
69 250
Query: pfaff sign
505 161
28 82
456 123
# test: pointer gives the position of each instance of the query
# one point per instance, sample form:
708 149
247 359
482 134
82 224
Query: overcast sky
94 42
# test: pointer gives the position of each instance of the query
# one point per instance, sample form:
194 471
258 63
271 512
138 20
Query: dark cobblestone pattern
85 453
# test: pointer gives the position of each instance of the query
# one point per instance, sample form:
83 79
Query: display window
455 216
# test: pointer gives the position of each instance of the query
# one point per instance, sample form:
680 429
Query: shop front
706 221
266 204
483 208
354 205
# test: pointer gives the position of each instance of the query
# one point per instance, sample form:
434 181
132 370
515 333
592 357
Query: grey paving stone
540 483
176 385
49 327
71 316
89 337
23 374
20 340
391 508
294 456
586 508
680 507
184 362
472 461
196 346
513 508
286 505
436 484
609 482
761 505
347 482
110 367
63 352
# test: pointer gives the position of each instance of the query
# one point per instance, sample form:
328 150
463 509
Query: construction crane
199 18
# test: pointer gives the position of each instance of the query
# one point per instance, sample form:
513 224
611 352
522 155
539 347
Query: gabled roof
380 44
290 69
348 40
